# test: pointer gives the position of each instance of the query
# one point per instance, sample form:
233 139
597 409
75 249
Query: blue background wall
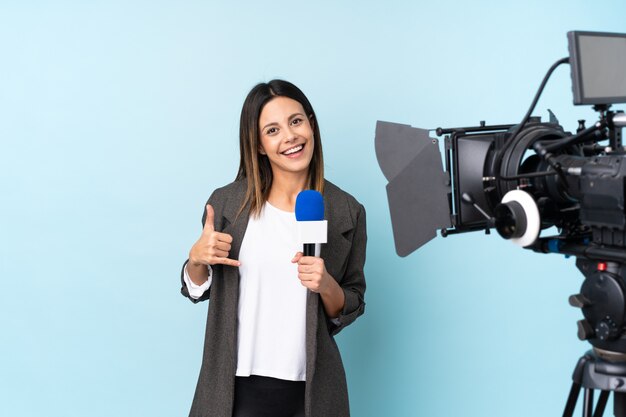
117 119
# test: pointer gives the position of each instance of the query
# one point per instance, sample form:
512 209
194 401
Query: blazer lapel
236 227
340 226
235 223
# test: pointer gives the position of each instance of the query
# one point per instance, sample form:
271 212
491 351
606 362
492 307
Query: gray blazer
344 258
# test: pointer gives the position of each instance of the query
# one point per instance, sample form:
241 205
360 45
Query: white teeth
293 150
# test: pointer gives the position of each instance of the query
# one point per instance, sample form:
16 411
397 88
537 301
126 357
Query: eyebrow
289 118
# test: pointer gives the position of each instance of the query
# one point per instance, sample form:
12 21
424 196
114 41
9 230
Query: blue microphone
312 228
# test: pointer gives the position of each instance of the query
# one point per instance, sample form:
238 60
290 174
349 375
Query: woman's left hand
312 273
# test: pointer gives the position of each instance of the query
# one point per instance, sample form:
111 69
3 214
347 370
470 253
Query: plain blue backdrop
117 120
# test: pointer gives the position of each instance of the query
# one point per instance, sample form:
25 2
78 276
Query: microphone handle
308 249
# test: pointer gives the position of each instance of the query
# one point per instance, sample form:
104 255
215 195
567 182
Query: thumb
209 222
297 258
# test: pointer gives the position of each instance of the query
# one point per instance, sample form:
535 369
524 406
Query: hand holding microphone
312 230
312 272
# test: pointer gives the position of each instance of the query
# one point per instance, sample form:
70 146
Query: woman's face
286 136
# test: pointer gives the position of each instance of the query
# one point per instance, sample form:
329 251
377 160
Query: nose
290 134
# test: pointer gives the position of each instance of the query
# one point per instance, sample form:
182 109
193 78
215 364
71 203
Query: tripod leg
570 405
588 403
601 405
619 408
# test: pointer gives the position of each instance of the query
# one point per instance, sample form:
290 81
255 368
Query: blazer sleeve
353 282
213 200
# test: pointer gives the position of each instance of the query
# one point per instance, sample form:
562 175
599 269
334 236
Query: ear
261 150
312 121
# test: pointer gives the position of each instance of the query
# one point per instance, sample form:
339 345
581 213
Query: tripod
603 371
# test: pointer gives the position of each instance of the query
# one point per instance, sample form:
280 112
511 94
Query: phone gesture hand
212 247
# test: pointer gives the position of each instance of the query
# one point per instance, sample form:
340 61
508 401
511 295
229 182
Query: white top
272 301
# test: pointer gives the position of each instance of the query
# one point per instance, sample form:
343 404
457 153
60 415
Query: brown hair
254 167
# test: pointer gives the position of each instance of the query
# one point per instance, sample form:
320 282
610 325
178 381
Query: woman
269 347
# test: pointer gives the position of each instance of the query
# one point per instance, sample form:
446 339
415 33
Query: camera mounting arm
616 121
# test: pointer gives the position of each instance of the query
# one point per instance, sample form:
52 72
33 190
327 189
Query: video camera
524 178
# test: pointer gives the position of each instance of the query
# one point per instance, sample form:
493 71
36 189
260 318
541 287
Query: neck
285 190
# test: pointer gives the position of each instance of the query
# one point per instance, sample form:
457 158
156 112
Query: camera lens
510 219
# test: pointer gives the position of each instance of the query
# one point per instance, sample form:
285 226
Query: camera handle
468 199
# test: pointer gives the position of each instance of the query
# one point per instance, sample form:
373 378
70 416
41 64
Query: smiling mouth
293 150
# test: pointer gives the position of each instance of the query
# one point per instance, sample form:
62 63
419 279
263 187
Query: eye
271 131
297 121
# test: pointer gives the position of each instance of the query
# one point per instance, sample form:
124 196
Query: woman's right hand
212 247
